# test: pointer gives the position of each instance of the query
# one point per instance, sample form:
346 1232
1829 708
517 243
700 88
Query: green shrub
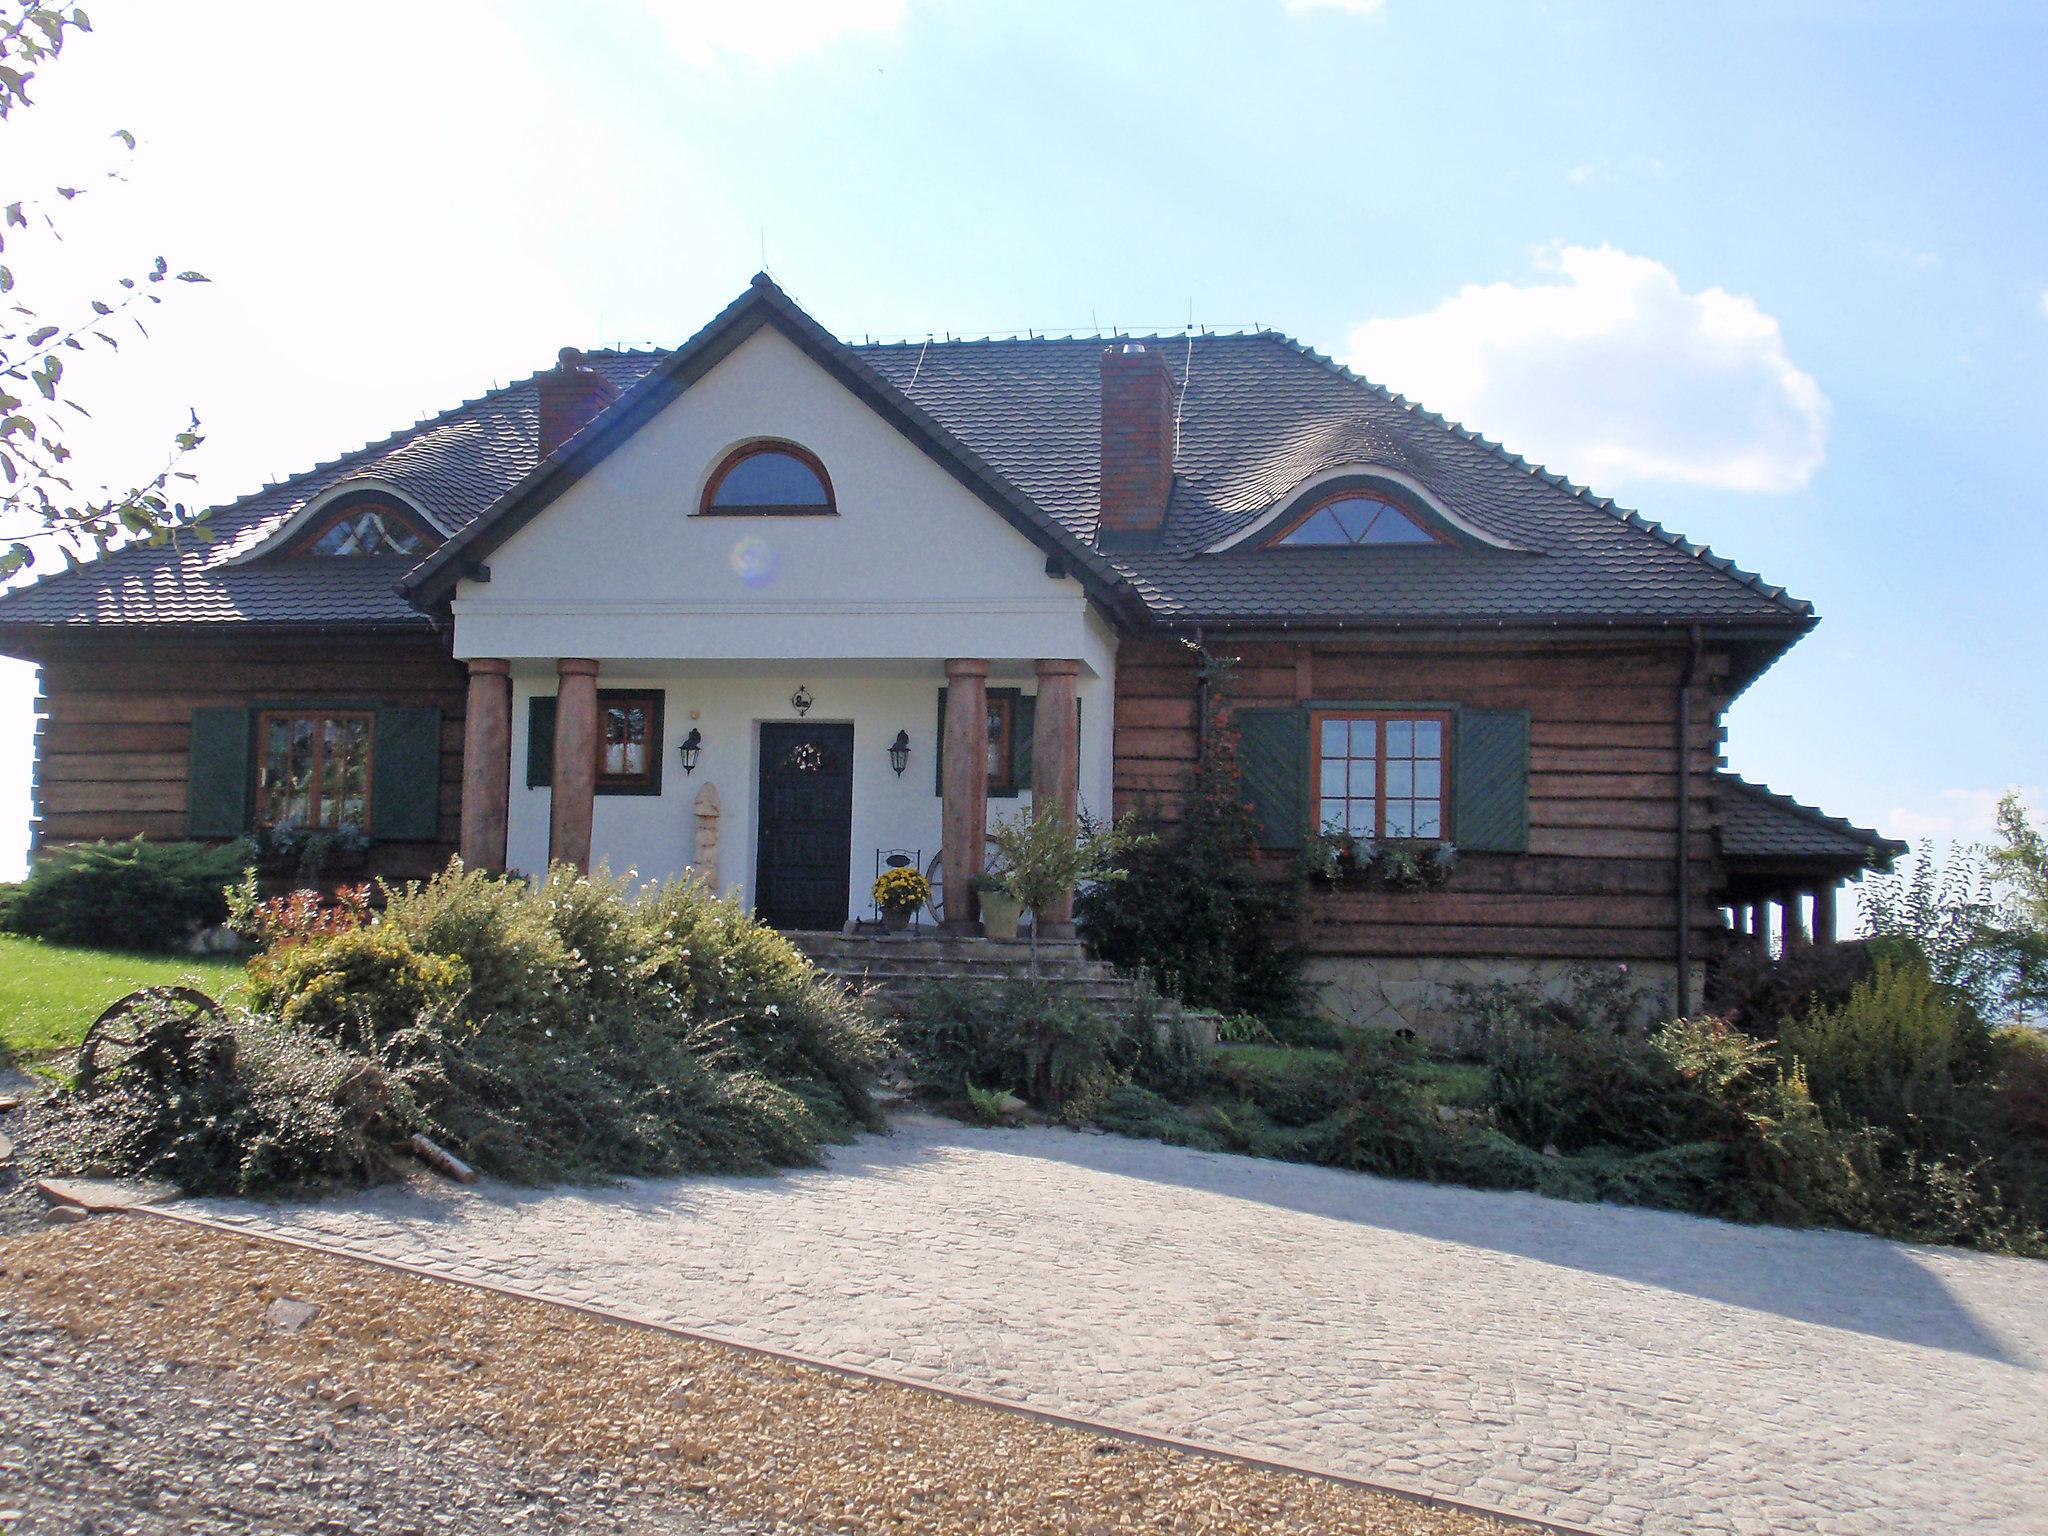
1027 1037
359 987
262 1106
500 929
1892 1055
1756 991
131 895
1191 907
569 1030
1291 1087
608 1092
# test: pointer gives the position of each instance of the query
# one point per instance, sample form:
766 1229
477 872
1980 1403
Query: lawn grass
1460 1084
49 993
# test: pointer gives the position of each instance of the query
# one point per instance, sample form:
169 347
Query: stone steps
892 968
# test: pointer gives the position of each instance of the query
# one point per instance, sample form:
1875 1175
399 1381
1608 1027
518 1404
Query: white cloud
1355 7
1956 816
1611 372
768 31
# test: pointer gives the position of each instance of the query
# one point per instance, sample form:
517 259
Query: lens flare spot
754 561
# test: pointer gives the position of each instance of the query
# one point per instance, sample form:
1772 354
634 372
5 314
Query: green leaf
193 277
14 215
41 334
125 137
6 280
100 308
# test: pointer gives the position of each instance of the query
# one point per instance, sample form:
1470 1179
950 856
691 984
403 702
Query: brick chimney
1137 441
571 395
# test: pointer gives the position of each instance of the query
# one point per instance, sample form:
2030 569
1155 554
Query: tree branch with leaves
42 507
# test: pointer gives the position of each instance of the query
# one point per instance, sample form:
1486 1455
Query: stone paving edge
887 1378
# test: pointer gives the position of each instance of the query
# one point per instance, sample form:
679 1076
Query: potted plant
899 893
1001 910
1042 861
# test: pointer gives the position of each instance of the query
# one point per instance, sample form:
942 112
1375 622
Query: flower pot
1000 914
896 919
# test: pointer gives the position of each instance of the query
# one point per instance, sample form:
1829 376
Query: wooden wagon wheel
150 1032
935 877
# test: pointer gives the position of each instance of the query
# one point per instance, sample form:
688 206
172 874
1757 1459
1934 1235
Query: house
783 608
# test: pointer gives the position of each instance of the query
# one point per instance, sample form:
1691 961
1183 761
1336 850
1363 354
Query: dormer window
364 526
768 479
1353 517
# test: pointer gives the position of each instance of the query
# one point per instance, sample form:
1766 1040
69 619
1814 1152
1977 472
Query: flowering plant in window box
1348 859
292 848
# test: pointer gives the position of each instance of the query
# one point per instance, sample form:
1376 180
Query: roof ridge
1029 337
1627 516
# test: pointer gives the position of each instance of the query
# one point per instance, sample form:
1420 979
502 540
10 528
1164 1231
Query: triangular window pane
367 533
1390 525
1321 527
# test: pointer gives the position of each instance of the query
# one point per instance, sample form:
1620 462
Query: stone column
1056 770
574 798
964 789
486 764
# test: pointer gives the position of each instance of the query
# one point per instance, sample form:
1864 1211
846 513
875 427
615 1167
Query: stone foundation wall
1417 992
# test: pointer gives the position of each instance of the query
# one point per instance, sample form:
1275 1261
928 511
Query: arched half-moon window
1353 517
363 526
768 479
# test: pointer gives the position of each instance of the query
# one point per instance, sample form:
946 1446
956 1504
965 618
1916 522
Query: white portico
766 566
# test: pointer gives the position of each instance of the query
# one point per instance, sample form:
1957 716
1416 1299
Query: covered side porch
785 783
1783 864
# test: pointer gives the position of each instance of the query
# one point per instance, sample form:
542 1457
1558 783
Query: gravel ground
96 1439
21 1208
496 1399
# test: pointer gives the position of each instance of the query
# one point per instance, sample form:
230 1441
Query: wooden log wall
1599 881
113 741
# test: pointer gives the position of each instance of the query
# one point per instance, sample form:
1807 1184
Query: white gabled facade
728 615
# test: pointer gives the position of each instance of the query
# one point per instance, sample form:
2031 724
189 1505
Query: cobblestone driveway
1624 1369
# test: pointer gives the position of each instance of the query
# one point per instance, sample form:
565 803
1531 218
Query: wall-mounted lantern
691 745
801 700
899 752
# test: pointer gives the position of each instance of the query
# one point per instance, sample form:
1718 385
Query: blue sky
1777 275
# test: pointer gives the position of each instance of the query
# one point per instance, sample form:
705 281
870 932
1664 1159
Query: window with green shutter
405 775
1490 793
1272 756
217 789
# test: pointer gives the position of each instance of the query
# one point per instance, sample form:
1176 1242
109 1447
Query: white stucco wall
655 835
727 615
913 566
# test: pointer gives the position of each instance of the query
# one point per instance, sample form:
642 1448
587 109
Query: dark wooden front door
806 842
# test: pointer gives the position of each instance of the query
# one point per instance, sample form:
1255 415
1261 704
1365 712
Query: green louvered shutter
1490 793
405 775
1272 754
939 749
540 742
1023 720
217 790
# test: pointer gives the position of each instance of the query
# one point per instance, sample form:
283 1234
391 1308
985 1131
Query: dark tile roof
1259 414
1758 823
455 464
